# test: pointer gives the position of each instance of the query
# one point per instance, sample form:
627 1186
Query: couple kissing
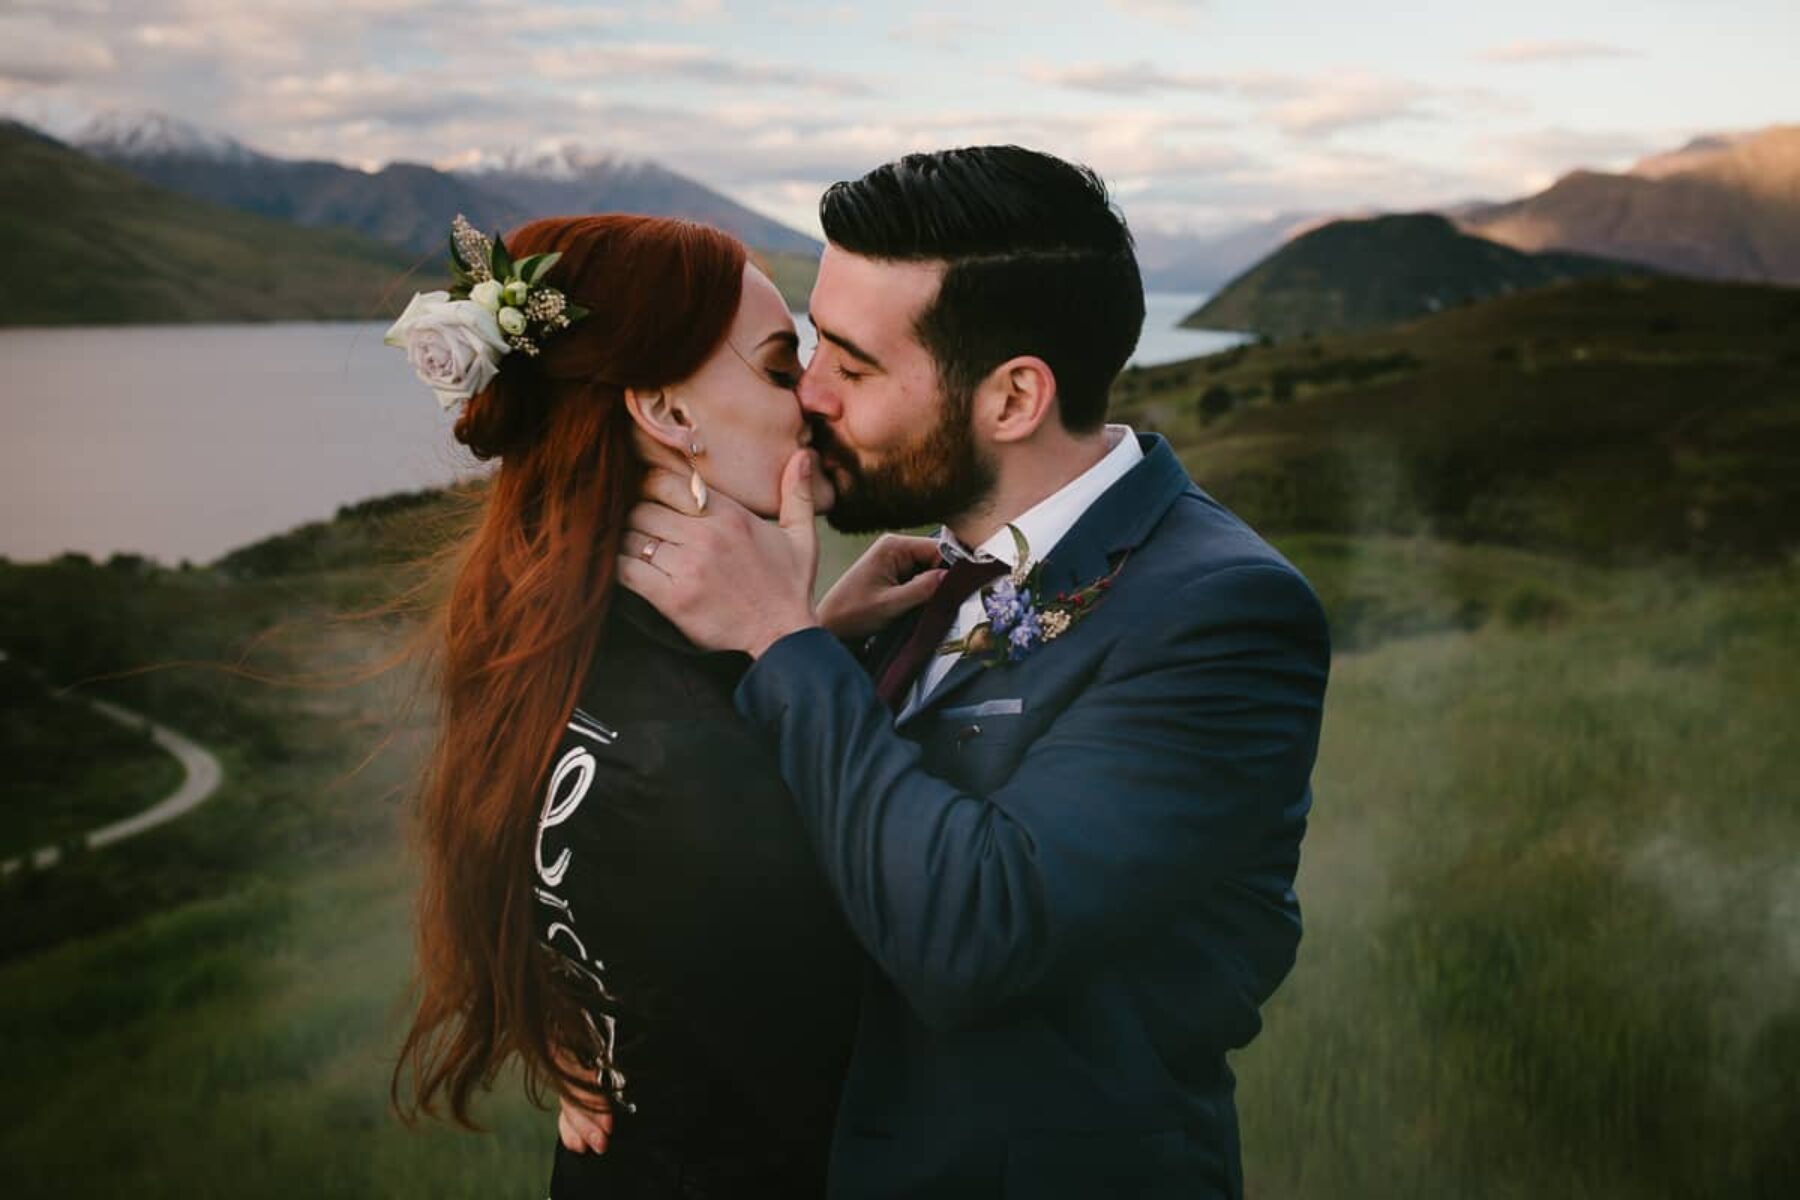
960 880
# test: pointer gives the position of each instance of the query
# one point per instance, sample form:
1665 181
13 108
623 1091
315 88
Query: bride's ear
662 417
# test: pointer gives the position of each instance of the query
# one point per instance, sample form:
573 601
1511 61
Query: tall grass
1550 893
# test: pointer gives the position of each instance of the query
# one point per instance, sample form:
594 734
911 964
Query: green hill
1617 418
1351 275
381 531
91 244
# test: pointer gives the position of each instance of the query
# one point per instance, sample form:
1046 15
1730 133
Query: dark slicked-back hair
1040 263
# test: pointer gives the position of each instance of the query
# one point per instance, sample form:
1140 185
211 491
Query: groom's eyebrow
846 345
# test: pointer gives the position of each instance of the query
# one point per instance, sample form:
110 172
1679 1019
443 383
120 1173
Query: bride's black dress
676 885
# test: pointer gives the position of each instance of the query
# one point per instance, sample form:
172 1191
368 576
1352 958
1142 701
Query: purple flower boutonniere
1019 618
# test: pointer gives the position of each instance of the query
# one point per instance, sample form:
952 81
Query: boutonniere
1019 617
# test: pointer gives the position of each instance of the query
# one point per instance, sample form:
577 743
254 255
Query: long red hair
532 585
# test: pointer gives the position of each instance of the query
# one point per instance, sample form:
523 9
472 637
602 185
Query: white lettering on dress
559 808
568 787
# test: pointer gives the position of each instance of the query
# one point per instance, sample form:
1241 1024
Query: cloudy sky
1202 113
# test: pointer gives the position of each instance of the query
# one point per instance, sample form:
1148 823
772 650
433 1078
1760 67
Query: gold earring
696 485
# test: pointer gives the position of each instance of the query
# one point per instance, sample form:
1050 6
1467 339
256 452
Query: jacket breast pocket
978 750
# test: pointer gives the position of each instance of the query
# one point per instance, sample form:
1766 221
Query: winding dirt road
204 774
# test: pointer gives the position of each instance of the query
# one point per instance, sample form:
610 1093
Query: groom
1069 841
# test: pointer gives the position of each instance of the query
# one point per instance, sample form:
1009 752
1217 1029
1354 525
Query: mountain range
150 219
1725 206
93 243
1722 207
410 204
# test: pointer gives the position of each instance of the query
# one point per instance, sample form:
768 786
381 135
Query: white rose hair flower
454 340
453 346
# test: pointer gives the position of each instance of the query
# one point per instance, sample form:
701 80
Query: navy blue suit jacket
1074 872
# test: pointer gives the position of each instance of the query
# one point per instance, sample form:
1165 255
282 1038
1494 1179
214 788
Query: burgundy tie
960 582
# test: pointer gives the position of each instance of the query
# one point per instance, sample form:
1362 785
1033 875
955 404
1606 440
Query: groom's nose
817 398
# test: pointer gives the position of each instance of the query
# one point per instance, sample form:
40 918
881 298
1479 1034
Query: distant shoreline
186 440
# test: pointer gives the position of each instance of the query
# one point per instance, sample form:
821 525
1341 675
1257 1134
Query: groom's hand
725 577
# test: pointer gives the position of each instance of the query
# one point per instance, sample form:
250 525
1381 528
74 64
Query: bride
616 887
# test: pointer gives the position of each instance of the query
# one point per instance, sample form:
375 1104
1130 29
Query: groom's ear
1017 397
660 415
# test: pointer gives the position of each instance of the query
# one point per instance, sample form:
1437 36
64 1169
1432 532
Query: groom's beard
938 476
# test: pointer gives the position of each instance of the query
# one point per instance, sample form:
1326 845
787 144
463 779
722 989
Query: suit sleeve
1185 753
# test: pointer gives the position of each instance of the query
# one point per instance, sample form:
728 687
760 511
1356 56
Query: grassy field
1551 897
1549 892
1550 883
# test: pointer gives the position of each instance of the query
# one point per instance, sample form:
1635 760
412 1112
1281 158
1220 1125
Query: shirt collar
1045 522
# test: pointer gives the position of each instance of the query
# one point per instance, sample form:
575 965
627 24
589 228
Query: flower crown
455 340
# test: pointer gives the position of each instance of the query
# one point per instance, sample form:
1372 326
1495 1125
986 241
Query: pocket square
987 708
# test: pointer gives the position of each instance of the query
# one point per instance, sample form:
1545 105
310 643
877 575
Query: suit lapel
963 670
888 641
1118 521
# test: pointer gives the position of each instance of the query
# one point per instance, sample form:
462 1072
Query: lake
188 441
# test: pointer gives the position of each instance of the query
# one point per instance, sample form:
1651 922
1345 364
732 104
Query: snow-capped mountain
561 162
121 136
410 204
568 178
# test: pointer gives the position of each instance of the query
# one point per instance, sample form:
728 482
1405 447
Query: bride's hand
895 575
580 1128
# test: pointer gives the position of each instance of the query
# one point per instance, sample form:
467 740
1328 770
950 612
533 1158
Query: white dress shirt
1043 525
